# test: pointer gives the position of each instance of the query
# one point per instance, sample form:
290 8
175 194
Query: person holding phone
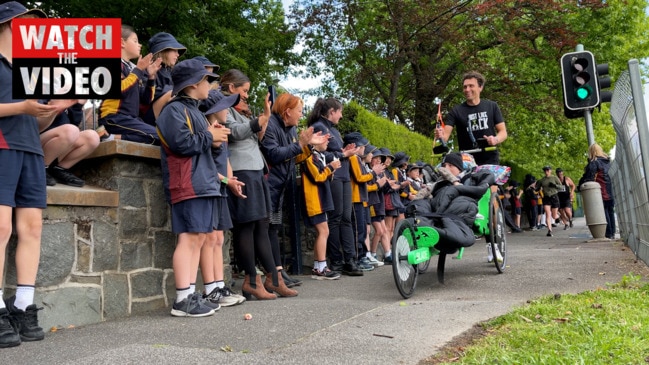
476 120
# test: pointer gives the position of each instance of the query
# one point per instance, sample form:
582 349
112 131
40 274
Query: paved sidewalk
354 320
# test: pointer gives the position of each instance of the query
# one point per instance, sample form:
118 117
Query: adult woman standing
250 214
597 171
283 149
324 118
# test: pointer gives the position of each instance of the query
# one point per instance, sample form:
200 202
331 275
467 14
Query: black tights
251 242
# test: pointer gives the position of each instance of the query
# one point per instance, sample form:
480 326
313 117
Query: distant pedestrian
566 197
597 171
550 185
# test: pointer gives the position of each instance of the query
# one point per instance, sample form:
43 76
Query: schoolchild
414 177
316 178
190 178
166 49
22 190
324 117
217 293
120 117
360 176
376 201
64 144
392 199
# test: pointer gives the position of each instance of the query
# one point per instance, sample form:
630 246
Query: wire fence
629 167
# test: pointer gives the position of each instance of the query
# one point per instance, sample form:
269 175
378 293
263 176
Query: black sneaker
64 176
337 266
192 306
8 336
325 274
350 268
549 234
571 223
212 300
49 180
25 322
387 260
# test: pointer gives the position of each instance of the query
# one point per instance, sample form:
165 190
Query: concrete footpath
354 320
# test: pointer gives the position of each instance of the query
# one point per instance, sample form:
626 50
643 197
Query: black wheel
497 232
405 274
423 267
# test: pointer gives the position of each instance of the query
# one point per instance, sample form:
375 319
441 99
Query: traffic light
580 83
603 81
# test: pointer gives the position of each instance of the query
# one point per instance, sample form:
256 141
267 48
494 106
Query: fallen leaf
562 320
596 306
526 319
403 304
226 348
54 329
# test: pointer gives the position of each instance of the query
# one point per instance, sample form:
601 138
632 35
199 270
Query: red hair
286 101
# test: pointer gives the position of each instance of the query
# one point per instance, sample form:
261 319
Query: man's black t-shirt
481 119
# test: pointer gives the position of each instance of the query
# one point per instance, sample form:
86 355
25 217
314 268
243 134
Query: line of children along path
354 320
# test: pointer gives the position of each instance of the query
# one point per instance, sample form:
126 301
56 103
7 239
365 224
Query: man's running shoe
325 274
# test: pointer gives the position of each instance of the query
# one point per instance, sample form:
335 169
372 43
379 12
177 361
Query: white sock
182 294
24 296
316 265
220 284
209 287
388 254
2 302
192 287
369 255
322 265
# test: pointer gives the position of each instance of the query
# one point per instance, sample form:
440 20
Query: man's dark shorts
552 201
193 216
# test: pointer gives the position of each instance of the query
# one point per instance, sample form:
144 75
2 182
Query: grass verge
605 326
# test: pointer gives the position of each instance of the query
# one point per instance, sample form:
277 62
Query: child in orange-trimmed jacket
316 175
360 176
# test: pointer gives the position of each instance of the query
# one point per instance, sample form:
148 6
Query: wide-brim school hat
207 63
400 158
355 138
217 101
385 152
12 9
189 72
369 149
161 41
416 165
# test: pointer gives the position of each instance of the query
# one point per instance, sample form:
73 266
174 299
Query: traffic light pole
588 118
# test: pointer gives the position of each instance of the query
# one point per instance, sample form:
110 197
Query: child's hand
381 181
144 62
335 164
219 133
38 110
154 67
378 168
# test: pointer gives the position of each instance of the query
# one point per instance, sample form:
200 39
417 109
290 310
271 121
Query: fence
631 163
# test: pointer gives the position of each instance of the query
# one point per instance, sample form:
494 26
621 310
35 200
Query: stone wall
106 248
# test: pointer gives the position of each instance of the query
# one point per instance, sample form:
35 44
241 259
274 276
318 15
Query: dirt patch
454 349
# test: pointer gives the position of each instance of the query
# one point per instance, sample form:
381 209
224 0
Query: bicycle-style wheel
497 232
405 274
423 267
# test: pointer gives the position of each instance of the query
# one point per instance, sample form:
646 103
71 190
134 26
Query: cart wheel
404 241
497 232
423 267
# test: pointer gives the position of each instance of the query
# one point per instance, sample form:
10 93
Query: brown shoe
281 289
258 291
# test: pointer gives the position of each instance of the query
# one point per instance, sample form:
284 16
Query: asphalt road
354 320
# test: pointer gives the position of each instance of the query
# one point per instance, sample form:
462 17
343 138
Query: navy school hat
189 72
369 149
386 152
207 63
417 165
400 158
356 138
216 101
12 9
161 41
546 168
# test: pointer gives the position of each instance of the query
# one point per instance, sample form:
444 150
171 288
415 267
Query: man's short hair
475 75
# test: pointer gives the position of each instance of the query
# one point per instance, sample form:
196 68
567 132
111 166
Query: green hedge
381 132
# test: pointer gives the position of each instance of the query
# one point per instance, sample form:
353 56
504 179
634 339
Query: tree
249 35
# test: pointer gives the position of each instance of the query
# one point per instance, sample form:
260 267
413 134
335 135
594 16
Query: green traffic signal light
582 93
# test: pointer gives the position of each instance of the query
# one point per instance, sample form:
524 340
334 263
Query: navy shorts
22 179
193 216
222 214
317 219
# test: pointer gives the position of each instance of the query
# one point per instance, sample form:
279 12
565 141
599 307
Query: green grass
605 326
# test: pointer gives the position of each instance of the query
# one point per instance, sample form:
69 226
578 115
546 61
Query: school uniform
360 176
316 177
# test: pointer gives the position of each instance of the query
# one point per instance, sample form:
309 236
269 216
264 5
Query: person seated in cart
453 205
